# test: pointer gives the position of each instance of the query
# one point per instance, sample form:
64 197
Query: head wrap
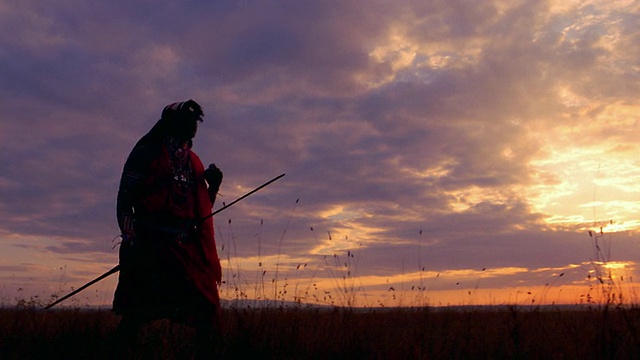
183 109
170 114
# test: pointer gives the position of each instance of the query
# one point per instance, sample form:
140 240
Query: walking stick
116 268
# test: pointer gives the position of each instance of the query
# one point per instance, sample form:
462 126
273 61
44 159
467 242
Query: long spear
116 268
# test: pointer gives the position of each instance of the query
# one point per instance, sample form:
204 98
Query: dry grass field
603 332
284 329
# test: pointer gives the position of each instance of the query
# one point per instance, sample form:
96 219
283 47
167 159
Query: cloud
476 124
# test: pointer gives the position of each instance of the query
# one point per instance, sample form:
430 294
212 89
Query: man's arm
131 183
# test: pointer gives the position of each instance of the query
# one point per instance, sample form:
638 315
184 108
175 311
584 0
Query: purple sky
461 148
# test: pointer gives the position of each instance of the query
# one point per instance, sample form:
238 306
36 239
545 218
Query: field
602 332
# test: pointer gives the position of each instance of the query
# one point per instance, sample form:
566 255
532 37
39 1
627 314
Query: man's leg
208 334
126 336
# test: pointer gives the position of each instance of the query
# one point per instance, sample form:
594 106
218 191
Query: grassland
285 329
603 332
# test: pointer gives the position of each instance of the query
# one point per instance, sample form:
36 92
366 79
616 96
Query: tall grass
608 288
340 329
338 333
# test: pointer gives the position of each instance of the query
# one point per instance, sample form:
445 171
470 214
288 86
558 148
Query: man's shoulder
145 152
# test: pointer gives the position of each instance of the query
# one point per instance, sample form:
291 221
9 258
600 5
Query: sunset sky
435 152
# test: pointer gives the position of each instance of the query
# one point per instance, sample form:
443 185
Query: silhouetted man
169 265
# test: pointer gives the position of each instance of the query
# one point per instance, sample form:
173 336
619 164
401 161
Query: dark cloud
16 268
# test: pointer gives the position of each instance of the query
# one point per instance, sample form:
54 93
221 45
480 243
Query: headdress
181 109
170 114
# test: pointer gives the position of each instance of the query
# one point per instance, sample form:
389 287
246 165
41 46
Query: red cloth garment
172 267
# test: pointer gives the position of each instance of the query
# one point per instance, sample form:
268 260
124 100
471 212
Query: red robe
175 268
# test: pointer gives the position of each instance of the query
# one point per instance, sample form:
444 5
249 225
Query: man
169 265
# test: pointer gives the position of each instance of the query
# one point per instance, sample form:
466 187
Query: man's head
182 119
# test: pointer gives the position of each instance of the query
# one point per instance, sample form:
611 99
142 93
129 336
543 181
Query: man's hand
128 253
128 237
213 175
